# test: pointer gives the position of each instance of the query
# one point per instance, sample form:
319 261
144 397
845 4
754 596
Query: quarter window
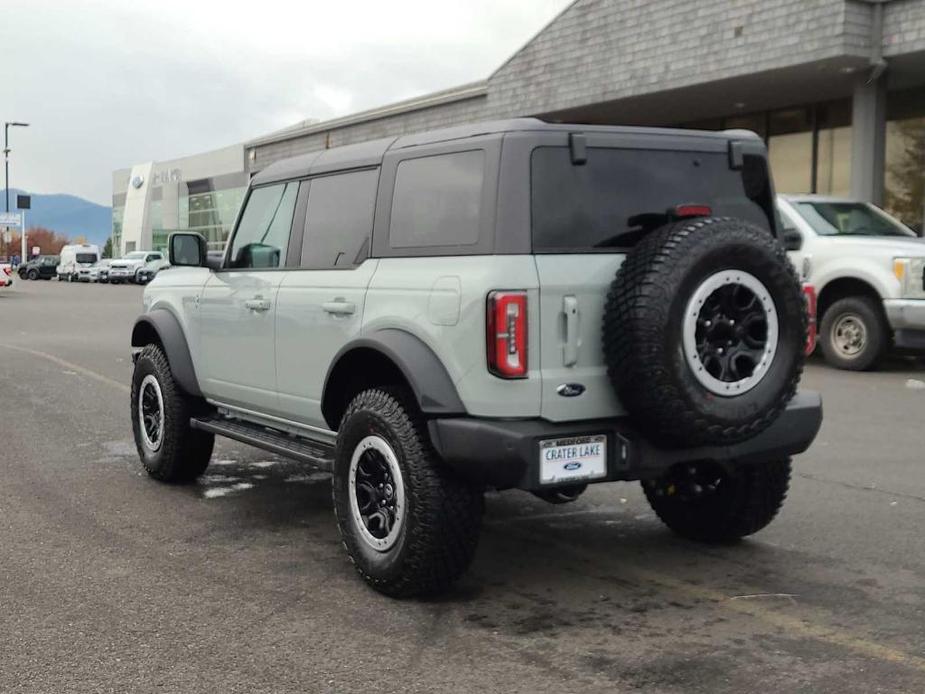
339 220
438 200
263 233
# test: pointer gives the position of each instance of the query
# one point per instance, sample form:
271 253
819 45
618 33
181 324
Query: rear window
621 194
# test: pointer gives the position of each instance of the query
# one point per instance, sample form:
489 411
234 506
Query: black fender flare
433 388
160 325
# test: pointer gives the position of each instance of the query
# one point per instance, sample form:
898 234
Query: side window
438 200
263 233
339 220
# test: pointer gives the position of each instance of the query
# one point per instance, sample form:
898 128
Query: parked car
75 257
41 267
867 268
442 314
124 269
98 272
149 271
6 274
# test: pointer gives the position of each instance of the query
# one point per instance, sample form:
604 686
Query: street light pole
6 155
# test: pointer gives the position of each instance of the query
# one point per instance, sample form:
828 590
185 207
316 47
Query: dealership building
835 87
198 193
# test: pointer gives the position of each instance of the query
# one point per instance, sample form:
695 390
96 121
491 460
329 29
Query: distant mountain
68 215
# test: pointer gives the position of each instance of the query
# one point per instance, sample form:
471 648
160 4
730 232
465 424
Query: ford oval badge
570 390
572 466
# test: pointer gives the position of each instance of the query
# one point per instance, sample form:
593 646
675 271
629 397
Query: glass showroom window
790 150
833 149
118 212
905 159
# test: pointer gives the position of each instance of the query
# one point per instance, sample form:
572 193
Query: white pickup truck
868 270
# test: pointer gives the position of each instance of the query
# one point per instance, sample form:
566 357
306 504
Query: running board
317 453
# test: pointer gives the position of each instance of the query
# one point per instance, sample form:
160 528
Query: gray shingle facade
621 52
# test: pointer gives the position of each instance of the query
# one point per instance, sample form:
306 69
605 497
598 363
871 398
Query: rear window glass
621 194
438 200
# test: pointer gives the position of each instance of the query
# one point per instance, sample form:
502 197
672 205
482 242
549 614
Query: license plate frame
570 459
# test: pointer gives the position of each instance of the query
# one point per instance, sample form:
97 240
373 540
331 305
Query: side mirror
187 249
792 239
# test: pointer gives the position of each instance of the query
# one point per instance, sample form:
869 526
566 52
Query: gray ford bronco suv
503 305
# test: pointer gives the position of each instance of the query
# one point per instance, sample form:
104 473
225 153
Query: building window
905 171
833 149
905 157
790 150
118 212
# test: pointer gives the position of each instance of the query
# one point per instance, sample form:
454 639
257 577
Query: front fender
161 326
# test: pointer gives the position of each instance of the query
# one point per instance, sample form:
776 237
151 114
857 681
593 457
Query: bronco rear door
593 196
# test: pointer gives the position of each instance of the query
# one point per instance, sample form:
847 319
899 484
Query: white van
74 257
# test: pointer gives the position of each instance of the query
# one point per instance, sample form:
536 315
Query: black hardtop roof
370 153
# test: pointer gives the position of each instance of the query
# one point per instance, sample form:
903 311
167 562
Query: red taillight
507 334
809 294
8 271
685 211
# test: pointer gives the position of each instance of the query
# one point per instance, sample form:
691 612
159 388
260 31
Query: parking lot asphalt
110 581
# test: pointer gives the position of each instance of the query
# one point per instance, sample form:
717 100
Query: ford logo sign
572 466
570 390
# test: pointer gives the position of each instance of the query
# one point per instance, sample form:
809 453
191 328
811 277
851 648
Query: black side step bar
316 453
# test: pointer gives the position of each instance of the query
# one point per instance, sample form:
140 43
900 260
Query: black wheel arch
385 357
162 327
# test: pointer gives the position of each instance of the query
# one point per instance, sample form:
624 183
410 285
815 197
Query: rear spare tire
704 330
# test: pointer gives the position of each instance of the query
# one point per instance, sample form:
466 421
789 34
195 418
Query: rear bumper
505 453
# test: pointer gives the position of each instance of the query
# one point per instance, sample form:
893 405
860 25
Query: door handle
570 349
257 304
339 308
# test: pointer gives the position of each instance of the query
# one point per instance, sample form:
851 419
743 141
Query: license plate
574 458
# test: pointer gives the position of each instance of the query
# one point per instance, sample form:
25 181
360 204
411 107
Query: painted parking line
83 371
803 626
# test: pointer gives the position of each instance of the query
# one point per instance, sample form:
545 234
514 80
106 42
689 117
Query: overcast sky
108 84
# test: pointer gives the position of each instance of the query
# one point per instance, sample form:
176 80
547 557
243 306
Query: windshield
136 255
850 219
86 257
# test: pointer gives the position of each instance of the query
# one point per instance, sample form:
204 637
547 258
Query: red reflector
506 333
683 211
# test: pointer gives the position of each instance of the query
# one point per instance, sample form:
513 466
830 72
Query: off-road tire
442 513
643 332
751 498
878 339
184 452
